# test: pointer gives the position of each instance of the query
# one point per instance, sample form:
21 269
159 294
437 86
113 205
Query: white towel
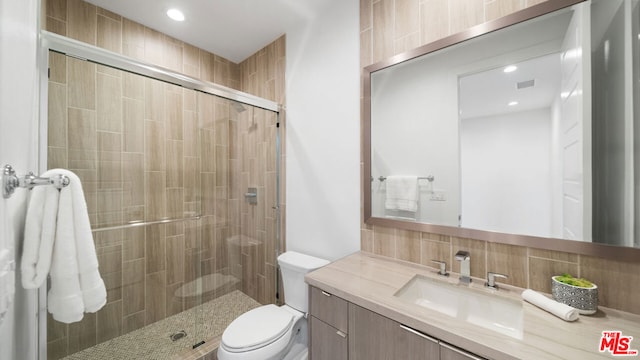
39 235
7 281
402 193
58 242
564 312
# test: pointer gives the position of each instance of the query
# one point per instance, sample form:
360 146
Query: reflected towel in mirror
402 193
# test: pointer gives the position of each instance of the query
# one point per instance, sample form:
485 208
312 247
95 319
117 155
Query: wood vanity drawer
329 308
327 343
375 337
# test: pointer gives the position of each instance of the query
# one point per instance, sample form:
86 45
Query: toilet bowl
272 332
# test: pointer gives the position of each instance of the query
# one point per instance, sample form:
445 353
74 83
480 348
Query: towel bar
10 181
430 178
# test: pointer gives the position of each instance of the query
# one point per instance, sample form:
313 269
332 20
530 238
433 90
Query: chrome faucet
443 267
465 266
491 280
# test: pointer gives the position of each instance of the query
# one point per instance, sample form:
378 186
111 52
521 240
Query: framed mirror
524 130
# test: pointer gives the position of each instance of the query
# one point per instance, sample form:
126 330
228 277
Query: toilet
272 332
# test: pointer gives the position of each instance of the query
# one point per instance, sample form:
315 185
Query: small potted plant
580 293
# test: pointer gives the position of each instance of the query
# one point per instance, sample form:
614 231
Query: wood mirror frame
620 253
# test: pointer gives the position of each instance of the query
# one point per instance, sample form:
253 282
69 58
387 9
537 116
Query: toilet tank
294 266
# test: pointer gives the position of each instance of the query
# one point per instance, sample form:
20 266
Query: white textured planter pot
583 299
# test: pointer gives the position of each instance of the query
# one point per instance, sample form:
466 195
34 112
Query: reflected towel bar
429 178
10 181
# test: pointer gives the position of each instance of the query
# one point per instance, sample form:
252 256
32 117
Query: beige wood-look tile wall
148 150
390 27
96 26
138 167
254 167
263 74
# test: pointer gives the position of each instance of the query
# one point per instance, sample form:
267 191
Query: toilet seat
257 328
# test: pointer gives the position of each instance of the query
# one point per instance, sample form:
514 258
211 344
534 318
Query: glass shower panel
254 163
133 141
239 198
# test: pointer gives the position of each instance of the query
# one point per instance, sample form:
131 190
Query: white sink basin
478 307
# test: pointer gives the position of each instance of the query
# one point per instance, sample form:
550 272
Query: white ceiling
489 92
233 29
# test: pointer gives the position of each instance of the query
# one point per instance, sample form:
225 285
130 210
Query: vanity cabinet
375 337
328 326
328 343
342 330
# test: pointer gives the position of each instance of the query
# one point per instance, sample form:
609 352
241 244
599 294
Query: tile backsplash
526 267
390 27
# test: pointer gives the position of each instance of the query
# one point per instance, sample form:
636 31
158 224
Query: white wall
18 147
503 157
422 97
323 133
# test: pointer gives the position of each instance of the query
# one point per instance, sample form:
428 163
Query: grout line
554 260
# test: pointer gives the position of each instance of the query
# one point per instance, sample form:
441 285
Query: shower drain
178 335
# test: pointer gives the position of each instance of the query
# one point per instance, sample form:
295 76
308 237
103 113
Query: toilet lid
256 328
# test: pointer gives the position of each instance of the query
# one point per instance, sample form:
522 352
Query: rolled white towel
564 312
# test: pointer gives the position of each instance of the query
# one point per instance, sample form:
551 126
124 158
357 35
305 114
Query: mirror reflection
527 130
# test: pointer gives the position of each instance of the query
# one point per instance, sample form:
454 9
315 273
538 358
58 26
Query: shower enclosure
181 182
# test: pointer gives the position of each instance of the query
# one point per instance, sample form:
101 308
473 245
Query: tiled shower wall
390 27
255 167
262 74
147 151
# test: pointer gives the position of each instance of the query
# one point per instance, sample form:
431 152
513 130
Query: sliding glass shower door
181 187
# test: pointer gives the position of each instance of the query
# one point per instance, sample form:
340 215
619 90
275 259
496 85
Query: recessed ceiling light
510 68
175 14
513 103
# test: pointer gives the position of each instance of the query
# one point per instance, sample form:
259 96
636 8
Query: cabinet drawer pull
416 332
341 334
326 294
461 352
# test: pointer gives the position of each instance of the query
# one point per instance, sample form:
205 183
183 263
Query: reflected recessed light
510 68
175 14
513 103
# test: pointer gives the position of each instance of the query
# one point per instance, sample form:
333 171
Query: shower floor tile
153 342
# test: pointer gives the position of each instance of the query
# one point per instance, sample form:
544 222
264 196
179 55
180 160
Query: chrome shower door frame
73 48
